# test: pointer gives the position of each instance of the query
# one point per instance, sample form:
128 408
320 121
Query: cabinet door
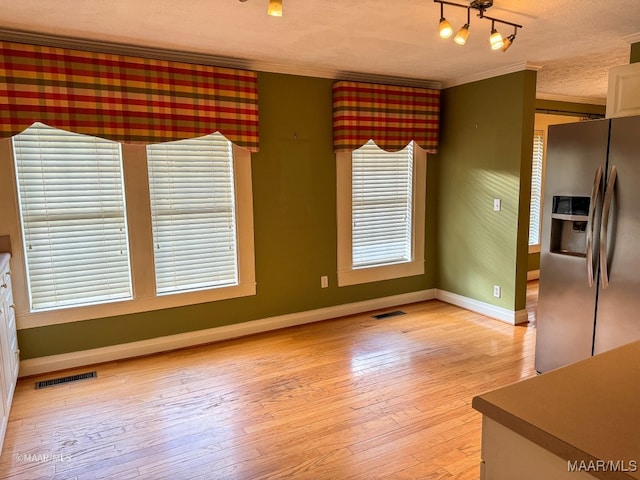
13 353
5 366
4 413
8 347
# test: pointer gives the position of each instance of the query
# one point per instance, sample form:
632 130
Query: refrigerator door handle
604 231
595 194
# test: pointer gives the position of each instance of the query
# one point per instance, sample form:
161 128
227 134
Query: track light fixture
496 40
275 8
463 33
444 26
509 40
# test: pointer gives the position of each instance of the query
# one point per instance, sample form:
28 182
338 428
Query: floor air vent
71 378
395 313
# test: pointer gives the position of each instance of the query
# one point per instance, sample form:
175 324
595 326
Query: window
381 208
72 213
536 189
381 199
193 214
89 253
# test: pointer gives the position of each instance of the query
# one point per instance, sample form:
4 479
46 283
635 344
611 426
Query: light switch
497 205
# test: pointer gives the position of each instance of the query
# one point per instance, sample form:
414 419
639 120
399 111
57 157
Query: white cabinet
623 98
507 455
572 423
9 352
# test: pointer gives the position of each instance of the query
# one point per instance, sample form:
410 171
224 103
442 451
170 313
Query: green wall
635 53
294 192
485 153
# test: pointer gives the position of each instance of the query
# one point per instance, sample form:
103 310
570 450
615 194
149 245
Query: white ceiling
574 41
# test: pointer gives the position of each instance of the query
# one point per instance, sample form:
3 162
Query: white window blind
191 184
72 209
381 206
536 189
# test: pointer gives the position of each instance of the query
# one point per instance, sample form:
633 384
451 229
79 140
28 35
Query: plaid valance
391 116
122 98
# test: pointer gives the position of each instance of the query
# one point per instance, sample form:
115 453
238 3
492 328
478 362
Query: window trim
347 275
140 247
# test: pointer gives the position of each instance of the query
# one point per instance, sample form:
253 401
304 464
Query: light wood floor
352 398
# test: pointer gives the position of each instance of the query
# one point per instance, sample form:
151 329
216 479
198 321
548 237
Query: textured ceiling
574 41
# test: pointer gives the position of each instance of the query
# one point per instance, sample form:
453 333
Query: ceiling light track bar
497 20
452 4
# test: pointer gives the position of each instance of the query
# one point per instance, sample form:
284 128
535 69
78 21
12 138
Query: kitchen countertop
587 411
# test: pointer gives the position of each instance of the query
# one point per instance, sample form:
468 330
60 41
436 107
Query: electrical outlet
324 281
497 291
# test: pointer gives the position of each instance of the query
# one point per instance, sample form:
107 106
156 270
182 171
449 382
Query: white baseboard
51 363
508 316
533 275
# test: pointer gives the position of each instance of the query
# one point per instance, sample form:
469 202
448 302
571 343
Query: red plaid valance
126 99
391 116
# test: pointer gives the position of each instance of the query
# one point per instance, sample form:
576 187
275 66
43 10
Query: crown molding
633 38
76 43
35 38
309 71
570 99
496 72
386 79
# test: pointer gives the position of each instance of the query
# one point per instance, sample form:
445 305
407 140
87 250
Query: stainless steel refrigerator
589 297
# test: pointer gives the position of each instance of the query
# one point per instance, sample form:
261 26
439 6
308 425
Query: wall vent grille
382 316
71 378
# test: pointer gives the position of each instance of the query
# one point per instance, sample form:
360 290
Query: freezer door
567 302
618 318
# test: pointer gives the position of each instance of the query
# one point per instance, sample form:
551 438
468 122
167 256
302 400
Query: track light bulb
275 8
445 28
507 42
462 35
495 39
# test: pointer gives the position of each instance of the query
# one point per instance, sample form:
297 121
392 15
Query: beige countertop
587 411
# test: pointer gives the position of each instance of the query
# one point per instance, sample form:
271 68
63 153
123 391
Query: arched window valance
124 98
391 116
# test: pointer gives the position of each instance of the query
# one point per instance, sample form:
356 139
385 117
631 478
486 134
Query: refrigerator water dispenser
569 218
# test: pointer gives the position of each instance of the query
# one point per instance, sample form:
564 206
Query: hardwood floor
351 398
